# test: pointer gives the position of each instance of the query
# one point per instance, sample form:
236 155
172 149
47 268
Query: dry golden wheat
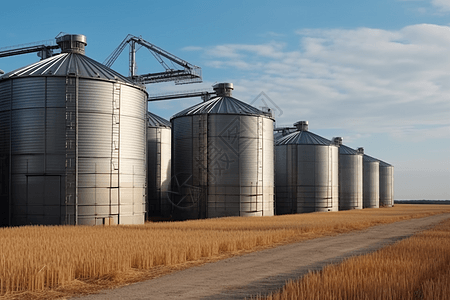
415 268
45 258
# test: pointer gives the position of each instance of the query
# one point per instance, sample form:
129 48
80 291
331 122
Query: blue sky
376 73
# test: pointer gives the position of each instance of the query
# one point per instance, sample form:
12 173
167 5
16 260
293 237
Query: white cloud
363 80
240 51
272 34
442 5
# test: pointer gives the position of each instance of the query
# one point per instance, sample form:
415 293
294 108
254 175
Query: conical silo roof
68 64
372 159
282 131
156 121
303 138
368 158
345 150
384 164
221 105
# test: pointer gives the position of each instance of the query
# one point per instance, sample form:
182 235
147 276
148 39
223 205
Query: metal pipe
132 58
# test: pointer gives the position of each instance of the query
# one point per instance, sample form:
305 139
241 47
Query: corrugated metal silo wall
111 153
386 186
110 122
158 170
307 178
5 117
371 185
36 126
350 181
228 159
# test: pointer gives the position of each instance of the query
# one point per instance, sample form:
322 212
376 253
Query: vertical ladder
330 180
158 172
71 178
115 148
259 183
292 153
202 197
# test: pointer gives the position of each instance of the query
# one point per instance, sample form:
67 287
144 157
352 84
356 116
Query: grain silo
371 182
350 177
73 141
158 165
386 184
306 172
222 159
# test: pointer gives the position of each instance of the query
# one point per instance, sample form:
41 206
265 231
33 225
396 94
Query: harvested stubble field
415 268
46 262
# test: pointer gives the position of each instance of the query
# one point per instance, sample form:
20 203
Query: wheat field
415 268
43 262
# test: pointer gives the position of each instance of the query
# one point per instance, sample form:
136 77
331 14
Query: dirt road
268 270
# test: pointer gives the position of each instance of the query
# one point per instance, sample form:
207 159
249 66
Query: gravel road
265 271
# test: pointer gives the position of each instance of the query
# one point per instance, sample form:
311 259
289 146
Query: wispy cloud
236 51
272 34
363 80
437 6
442 5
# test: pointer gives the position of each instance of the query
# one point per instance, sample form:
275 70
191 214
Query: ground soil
265 271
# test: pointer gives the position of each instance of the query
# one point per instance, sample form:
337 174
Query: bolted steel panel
111 149
386 185
308 170
103 93
350 181
29 93
268 168
158 169
166 160
371 184
28 131
94 135
231 159
108 127
55 140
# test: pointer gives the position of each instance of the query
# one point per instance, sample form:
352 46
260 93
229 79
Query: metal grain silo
371 182
386 184
350 177
73 140
222 159
306 172
158 165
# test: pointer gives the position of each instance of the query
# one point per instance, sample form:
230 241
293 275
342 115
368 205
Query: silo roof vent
222 105
301 125
360 150
223 89
337 141
72 43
